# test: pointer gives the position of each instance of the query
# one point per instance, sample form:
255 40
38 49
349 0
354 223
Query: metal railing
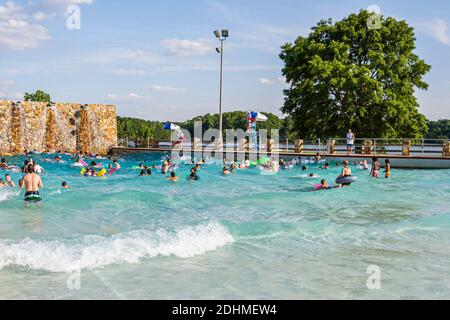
379 146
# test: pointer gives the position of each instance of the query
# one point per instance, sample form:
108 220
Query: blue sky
156 59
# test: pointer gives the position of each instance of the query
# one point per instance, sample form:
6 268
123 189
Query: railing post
332 146
196 143
406 149
299 145
446 149
270 145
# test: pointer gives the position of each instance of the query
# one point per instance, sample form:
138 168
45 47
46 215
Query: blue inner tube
346 180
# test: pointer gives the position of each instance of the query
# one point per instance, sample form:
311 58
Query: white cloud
127 98
41 15
117 54
128 72
266 82
167 89
57 7
188 47
438 29
16 32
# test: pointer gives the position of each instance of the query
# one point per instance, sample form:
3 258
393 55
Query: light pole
222 36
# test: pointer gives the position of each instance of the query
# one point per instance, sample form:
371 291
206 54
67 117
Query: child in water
375 171
173 177
387 170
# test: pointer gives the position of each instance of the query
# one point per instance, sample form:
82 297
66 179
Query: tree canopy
438 129
38 96
347 75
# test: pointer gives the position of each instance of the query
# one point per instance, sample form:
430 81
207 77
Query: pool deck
397 161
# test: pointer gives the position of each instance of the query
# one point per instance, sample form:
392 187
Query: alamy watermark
374 279
374 21
73 15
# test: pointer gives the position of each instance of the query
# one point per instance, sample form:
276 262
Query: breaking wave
92 252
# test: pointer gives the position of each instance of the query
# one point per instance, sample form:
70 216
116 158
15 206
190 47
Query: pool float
14 169
346 180
263 160
112 171
33 198
101 173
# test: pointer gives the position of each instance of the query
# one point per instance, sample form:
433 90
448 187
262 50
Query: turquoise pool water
246 236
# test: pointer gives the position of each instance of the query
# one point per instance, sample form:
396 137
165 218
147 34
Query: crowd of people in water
32 170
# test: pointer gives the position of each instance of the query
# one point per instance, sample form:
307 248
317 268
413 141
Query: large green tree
38 96
354 74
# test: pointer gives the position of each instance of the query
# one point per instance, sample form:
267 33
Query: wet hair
311 175
388 161
345 162
304 168
327 164
173 174
323 181
64 184
149 171
3 160
7 175
31 168
374 159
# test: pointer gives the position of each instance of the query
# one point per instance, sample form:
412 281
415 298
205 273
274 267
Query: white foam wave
92 252
6 194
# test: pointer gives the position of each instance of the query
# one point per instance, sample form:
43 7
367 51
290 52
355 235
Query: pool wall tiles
61 126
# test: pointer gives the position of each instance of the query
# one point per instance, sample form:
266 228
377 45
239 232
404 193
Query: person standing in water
350 141
32 183
375 171
387 170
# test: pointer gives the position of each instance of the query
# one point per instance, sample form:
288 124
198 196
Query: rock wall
41 127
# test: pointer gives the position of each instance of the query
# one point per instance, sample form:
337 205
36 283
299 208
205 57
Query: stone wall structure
42 127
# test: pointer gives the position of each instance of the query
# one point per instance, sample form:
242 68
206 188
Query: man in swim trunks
9 181
32 183
346 172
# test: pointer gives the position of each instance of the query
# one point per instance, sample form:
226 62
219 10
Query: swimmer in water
317 157
375 171
2 184
65 185
149 171
57 159
9 181
193 175
173 177
225 171
3 164
32 183
387 170
37 168
117 164
346 172
326 166
143 173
